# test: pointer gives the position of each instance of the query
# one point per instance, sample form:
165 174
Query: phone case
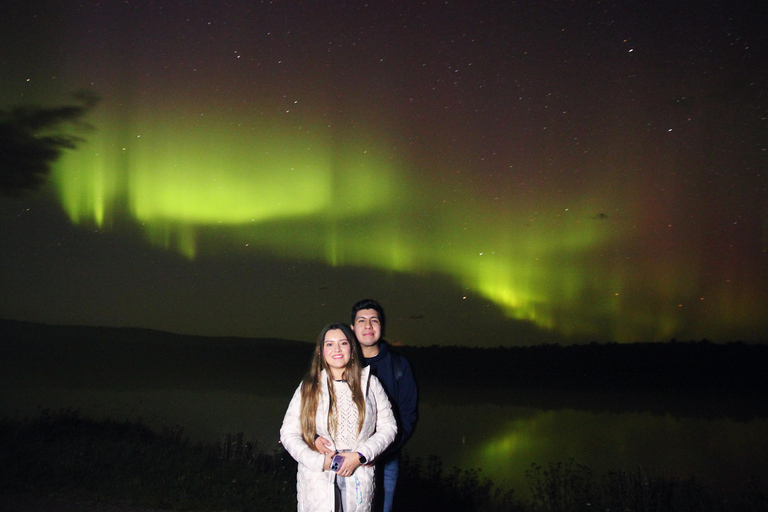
336 463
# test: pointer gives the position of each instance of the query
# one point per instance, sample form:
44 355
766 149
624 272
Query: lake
500 440
213 387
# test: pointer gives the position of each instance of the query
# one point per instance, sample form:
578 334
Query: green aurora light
298 193
577 182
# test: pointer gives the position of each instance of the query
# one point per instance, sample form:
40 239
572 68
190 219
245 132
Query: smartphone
336 463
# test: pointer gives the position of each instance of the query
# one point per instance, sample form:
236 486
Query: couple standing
350 417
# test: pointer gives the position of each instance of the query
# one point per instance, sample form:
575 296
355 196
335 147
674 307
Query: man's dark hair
369 304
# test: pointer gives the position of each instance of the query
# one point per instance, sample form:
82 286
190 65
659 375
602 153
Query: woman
339 400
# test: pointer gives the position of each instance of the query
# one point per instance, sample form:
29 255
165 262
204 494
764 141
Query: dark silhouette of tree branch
33 138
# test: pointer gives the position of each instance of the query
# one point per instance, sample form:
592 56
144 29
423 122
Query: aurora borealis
496 173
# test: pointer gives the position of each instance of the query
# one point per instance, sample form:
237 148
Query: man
396 377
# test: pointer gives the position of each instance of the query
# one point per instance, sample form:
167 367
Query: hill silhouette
697 379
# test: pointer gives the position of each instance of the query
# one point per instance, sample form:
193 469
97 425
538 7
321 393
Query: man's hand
323 446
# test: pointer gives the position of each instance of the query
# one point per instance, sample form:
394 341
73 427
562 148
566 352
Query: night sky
495 173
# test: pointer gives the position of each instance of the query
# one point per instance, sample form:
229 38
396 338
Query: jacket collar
383 351
364 376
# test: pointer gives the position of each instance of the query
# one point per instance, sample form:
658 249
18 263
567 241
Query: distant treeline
37 355
684 378
700 365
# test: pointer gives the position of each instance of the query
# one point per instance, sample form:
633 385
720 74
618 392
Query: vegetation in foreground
127 462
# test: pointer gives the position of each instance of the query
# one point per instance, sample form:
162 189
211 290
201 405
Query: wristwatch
363 460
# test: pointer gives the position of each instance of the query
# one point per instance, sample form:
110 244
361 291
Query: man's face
367 327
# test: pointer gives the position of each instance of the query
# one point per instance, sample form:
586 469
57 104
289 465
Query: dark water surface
212 389
500 440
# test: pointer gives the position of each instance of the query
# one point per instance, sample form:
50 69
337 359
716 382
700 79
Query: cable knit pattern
347 417
315 486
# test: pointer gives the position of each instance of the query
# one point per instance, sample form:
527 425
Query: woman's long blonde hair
310 386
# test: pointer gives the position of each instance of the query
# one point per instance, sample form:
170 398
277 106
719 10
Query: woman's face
336 352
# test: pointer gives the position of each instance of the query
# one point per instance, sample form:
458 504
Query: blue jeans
386 481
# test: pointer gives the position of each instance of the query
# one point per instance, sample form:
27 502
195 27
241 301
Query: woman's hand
351 463
328 460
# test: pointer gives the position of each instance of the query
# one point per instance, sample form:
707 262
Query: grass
127 462
572 487
110 461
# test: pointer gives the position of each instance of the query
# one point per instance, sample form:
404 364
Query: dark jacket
396 377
